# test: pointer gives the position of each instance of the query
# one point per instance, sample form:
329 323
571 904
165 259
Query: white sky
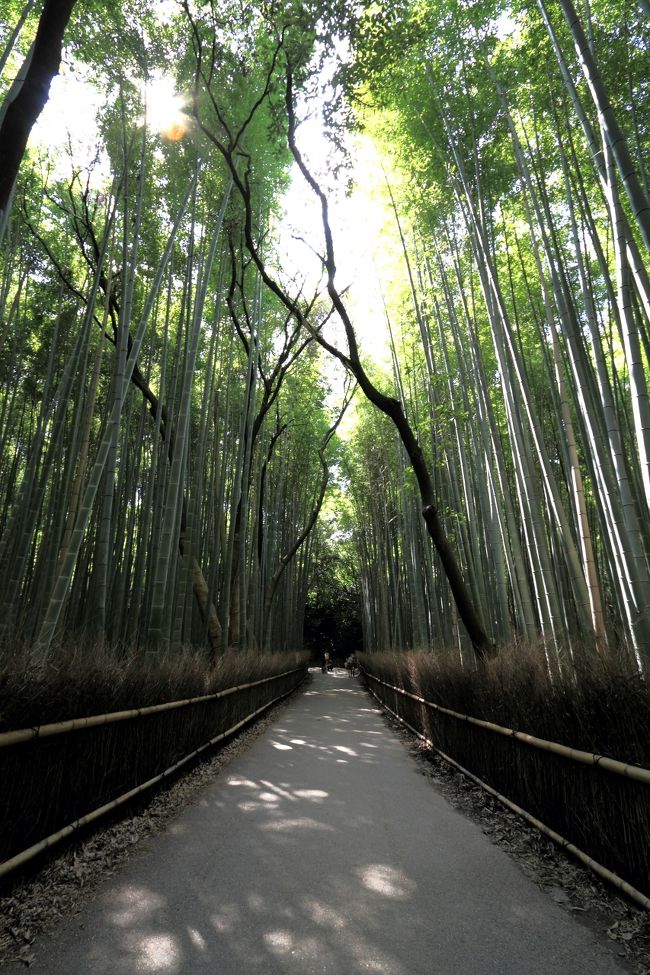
358 228
71 110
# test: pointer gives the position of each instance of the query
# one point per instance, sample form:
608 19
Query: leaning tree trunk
392 407
28 102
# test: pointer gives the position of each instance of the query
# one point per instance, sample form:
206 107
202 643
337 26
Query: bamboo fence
611 765
61 727
575 754
95 720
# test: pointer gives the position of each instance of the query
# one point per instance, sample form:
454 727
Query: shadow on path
322 850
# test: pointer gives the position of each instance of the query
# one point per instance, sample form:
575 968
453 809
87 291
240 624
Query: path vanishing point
322 849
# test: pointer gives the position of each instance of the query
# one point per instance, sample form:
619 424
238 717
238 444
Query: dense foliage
522 335
165 447
164 444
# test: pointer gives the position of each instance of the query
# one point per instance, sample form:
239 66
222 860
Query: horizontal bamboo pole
21 858
93 721
575 754
612 878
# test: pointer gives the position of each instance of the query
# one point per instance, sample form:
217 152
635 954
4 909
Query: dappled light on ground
157 953
385 880
330 918
133 905
303 822
322 851
197 939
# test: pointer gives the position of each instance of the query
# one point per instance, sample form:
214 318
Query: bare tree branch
391 407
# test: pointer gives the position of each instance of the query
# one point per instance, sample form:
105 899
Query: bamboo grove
165 451
521 345
165 447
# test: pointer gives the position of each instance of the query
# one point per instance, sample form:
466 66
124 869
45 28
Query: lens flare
164 109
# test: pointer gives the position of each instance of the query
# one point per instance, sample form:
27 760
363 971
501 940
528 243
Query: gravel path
322 849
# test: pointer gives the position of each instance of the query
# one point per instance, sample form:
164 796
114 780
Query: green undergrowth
593 705
84 679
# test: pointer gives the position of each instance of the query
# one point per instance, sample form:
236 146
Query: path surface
322 850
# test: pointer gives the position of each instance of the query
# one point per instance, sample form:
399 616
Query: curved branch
391 407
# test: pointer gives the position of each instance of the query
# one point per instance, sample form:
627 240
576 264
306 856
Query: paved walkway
322 850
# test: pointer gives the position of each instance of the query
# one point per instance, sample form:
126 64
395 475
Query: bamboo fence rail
612 878
25 855
575 754
95 720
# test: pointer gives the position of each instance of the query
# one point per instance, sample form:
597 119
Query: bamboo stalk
575 754
20 858
597 868
76 724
